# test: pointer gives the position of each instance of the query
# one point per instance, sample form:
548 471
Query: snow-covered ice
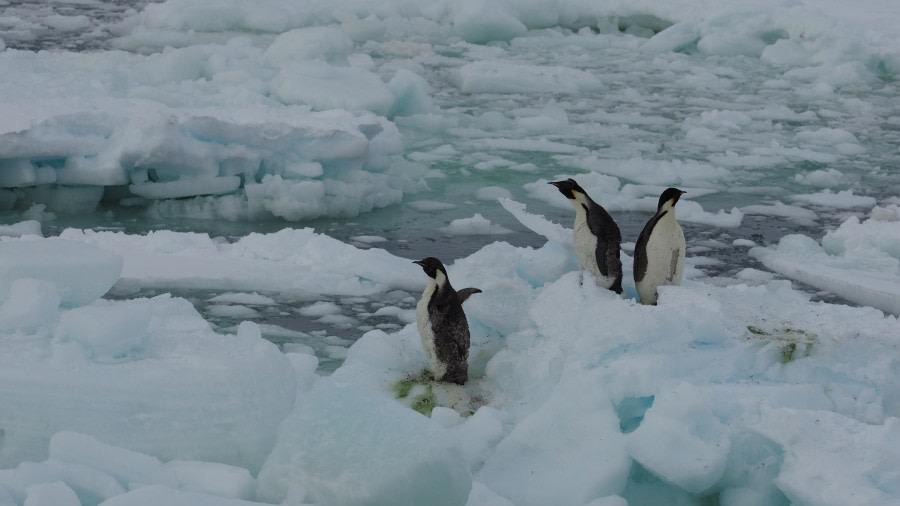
291 260
155 157
859 261
80 272
558 383
475 225
331 446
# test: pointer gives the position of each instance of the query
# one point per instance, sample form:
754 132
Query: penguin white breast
586 247
426 331
586 250
665 258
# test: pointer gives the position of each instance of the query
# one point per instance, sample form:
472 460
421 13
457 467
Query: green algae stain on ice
416 391
422 393
792 343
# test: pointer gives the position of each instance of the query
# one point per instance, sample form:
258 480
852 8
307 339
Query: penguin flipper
600 255
465 293
604 228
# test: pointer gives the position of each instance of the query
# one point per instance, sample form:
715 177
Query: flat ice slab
80 272
149 375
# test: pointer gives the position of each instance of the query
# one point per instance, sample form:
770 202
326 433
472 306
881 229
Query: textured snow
739 388
859 261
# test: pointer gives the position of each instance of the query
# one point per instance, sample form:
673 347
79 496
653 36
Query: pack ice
744 392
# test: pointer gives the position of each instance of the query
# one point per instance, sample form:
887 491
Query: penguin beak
418 262
567 192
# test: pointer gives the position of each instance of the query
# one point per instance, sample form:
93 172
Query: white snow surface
475 225
859 261
291 260
739 390
691 394
141 366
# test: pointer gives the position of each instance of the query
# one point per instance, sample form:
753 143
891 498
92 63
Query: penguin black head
669 195
431 266
568 188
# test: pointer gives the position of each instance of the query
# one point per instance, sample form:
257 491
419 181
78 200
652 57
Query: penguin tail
465 293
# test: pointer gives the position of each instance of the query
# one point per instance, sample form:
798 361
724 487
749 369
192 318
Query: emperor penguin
442 324
597 237
659 252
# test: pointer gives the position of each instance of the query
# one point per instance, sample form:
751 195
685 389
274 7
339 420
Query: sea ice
323 87
183 152
404 315
320 309
757 393
548 352
156 495
252 299
546 459
368 239
507 77
479 23
859 261
320 42
232 311
30 305
129 467
161 371
828 178
289 261
80 272
186 187
781 210
213 478
476 225
51 494
124 330
844 199
852 462
681 441
430 205
28 227
348 444
412 94
492 193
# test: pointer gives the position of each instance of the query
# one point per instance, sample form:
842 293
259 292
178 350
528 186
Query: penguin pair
658 254
442 324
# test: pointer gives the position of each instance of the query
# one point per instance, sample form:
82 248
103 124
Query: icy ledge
149 375
859 261
244 162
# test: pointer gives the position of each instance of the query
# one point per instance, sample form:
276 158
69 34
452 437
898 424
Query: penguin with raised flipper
597 237
659 252
442 324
